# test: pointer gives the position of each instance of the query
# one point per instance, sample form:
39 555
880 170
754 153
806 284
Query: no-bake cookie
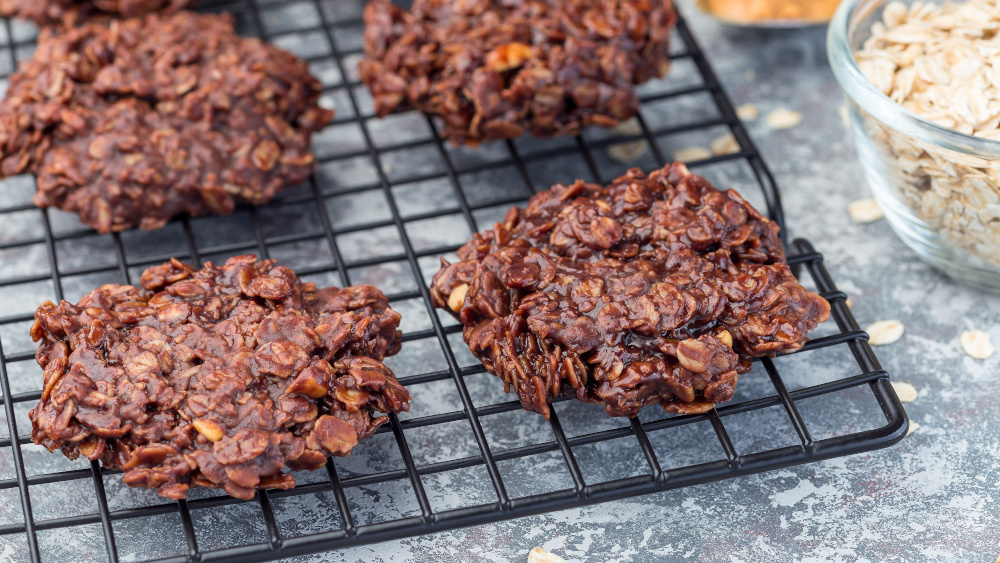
656 289
220 377
493 69
70 12
132 122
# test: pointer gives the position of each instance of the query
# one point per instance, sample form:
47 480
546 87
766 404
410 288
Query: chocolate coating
496 69
129 123
656 289
72 12
220 377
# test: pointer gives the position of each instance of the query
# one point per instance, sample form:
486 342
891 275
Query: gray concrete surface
930 498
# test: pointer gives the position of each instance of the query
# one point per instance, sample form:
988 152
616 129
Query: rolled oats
219 377
913 428
783 118
628 127
71 12
629 151
864 211
906 392
494 69
725 144
691 154
133 123
884 332
942 63
747 112
976 344
655 289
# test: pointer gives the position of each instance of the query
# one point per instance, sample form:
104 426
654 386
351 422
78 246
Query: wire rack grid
388 199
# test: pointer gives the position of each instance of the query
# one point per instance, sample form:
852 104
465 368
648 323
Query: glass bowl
939 188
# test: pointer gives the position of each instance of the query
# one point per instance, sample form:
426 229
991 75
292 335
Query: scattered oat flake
690 154
884 332
628 152
913 428
747 112
976 344
906 392
849 303
725 144
783 118
845 117
630 126
864 211
539 555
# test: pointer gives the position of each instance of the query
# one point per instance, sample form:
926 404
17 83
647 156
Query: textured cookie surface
656 289
493 69
220 377
129 123
70 12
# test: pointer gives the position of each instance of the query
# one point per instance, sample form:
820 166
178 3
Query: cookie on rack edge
219 377
132 122
72 12
494 69
656 289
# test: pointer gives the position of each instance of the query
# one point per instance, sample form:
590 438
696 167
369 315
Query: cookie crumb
865 211
884 332
783 118
539 555
906 392
725 144
747 112
691 154
976 344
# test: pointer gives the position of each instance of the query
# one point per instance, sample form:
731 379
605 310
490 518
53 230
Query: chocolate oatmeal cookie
655 289
71 12
219 377
493 69
132 122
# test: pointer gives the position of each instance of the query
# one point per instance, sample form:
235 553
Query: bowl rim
873 101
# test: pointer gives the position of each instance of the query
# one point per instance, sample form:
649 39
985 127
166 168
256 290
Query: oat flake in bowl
923 85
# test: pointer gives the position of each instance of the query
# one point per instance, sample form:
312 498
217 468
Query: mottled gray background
930 498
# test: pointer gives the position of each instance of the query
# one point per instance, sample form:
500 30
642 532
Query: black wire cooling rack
388 199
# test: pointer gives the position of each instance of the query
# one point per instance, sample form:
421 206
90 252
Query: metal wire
576 491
